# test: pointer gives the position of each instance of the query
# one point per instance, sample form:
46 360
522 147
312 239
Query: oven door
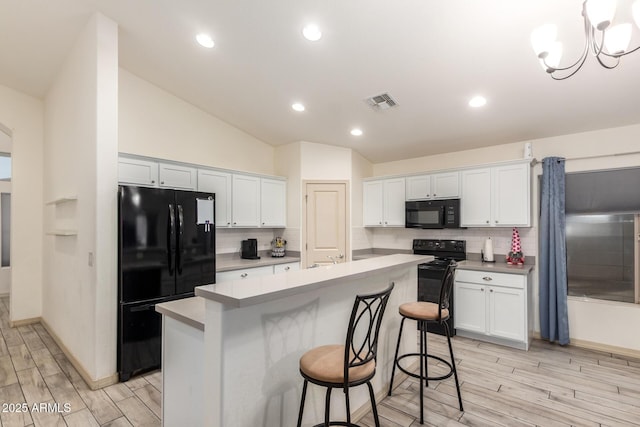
424 214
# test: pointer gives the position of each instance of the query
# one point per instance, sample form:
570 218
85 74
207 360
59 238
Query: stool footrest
414 375
338 423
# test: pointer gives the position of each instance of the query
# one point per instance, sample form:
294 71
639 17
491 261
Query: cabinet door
511 195
372 203
137 172
445 185
475 203
507 313
418 187
246 201
394 213
470 308
210 181
174 176
273 203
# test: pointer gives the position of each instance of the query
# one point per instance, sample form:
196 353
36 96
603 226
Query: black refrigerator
166 248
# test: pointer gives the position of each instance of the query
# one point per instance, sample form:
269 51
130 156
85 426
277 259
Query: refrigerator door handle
145 307
171 239
180 240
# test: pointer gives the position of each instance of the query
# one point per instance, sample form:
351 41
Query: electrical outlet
90 259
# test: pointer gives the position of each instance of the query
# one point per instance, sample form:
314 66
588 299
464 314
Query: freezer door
139 338
147 229
196 244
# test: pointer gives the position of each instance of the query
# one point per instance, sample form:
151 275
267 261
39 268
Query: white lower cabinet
493 307
249 273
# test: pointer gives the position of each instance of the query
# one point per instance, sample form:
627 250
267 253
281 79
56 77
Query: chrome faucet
335 259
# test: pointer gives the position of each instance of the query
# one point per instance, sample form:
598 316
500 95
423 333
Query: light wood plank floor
548 385
33 370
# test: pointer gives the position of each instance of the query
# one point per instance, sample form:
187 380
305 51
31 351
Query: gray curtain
554 321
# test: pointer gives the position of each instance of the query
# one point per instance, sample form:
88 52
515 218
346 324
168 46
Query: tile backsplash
228 239
401 238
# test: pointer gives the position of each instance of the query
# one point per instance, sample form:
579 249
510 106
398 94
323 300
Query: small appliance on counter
487 251
278 247
250 249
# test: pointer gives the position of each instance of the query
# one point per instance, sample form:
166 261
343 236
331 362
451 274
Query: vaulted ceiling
430 56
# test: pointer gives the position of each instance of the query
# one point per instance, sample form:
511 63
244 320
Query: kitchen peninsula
256 330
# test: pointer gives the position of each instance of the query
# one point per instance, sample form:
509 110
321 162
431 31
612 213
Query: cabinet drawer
283 268
491 278
246 273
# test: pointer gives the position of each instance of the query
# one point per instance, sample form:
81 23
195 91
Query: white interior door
326 223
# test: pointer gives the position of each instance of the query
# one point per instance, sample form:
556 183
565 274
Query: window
602 218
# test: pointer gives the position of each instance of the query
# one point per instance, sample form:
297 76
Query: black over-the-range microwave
433 214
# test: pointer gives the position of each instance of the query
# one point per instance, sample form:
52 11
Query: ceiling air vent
381 102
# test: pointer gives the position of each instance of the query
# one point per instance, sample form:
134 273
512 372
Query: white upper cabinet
437 186
511 189
246 201
372 203
211 181
273 202
496 197
475 203
175 176
445 185
419 187
383 203
137 172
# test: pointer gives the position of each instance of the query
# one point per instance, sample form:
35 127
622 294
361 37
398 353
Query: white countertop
242 293
496 267
186 310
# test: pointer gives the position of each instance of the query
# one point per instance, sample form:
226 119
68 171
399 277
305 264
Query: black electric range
430 274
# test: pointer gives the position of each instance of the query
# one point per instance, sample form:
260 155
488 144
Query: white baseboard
93 384
590 345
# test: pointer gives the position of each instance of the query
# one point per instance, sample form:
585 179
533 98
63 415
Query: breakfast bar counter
256 330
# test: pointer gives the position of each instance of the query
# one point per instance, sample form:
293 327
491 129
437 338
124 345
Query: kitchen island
256 330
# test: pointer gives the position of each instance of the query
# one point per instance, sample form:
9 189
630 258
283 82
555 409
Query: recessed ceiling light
356 132
205 40
312 32
297 106
478 101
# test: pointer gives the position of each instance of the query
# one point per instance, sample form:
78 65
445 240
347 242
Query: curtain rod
597 156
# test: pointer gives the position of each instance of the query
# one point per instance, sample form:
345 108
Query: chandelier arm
581 59
621 54
608 67
584 58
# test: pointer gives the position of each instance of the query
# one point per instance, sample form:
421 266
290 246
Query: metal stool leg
395 358
422 360
373 404
326 406
304 394
453 364
424 352
346 399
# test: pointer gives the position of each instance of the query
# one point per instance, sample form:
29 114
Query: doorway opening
5 212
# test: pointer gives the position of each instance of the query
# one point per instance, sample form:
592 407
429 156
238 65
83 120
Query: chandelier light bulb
600 12
543 37
552 59
617 38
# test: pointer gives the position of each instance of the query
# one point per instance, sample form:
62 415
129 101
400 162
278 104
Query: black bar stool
349 365
424 313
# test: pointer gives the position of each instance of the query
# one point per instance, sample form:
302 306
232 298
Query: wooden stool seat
326 364
421 310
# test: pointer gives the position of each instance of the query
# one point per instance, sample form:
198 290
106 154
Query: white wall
22 116
81 158
288 163
156 123
324 162
609 143
361 237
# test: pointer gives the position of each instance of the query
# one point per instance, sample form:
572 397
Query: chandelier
605 42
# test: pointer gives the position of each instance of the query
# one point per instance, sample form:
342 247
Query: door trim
347 217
